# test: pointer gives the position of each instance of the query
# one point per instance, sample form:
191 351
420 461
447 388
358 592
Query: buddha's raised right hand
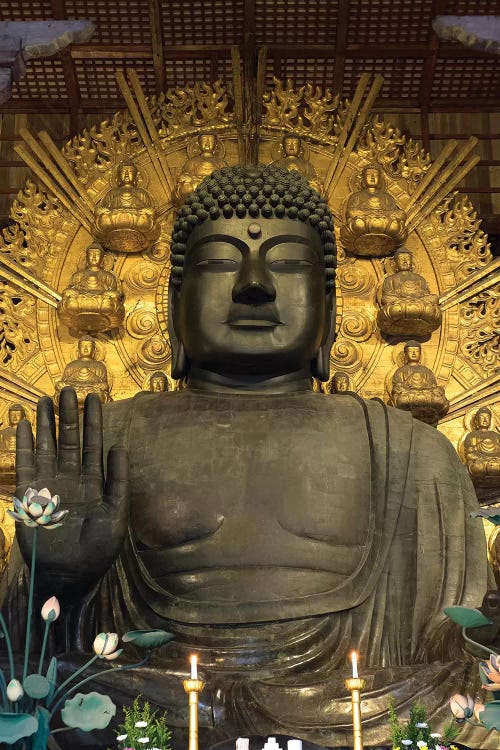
72 558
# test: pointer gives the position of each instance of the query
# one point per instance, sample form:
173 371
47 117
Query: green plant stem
73 677
3 688
8 643
30 605
44 645
61 729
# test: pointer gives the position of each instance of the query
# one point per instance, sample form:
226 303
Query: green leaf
467 617
14 727
148 638
87 712
39 741
36 686
52 678
491 514
491 715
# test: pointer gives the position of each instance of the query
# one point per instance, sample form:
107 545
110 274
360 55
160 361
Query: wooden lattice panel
116 23
401 77
386 22
296 21
305 70
461 78
202 22
180 73
97 78
26 10
471 8
44 79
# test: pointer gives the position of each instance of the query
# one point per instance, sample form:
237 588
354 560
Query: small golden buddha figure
293 157
340 383
8 445
125 219
482 450
414 387
93 301
407 307
158 382
196 168
374 226
85 374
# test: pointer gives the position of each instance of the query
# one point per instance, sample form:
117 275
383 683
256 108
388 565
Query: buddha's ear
180 363
321 364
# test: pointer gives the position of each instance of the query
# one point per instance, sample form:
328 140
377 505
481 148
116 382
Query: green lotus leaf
14 727
467 617
490 717
148 638
36 686
491 514
52 678
39 740
87 712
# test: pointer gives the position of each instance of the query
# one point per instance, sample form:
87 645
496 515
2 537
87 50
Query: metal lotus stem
355 685
192 688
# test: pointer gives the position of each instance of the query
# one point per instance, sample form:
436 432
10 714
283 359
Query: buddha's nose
254 285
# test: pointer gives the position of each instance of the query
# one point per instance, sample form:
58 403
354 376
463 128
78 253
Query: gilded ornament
158 382
154 353
340 383
407 307
294 156
93 300
142 321
208 155
357 325
354 278
125 219
480 317
414 387
86 374
346 355
374 226
8 446
400 156
17 329
481 450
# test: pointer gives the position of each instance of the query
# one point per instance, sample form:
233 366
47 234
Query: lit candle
194 667
354 659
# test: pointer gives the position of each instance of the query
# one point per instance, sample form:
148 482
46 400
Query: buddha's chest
268 474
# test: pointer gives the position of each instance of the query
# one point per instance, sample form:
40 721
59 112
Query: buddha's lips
261 316
253 323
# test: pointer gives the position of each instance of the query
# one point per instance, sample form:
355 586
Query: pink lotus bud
462 706
105 644
51 609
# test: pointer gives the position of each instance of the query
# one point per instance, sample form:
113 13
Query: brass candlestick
355 685
192 688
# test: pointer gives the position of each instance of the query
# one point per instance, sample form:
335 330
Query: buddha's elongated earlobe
180 364
320 366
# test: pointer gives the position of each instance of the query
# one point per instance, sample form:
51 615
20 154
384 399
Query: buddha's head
16 413
403 260
482 420
86 347
252 283
291 145
158 382
207 143
413 352
126 173
340 382
371 177
94 255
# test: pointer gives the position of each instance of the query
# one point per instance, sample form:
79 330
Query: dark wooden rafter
157 44
341 46
70 77
438 8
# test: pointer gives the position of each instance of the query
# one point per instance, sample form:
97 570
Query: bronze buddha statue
414 387
407 307
271 528
482 450
93 300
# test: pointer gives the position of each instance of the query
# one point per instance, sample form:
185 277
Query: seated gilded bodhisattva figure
374 225
482 450
293 158
340 383
158 382
85 374
414 387
196 168
271 528
125 219
8 445
93 301
407 307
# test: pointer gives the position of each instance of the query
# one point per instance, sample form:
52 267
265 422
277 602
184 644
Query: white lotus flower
105 646
38 508
51 609
14 690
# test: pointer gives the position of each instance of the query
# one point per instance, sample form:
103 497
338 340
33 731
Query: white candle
354 659
194 666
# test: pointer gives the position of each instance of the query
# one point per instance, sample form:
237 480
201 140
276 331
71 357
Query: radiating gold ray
23 280
482 279
68 172
431 173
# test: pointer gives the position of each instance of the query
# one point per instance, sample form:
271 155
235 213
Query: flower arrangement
416 734
29 704
143 729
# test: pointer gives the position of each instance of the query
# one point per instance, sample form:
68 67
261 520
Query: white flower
143 739
421 725
421 743
51 609
435 735
14 690
141 724
406 742
105 645
121 737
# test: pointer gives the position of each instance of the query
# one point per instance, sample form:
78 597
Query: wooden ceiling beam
157 44
340 46
70 75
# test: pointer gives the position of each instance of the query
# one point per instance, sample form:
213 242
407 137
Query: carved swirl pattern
357 325
142 322
346 356
142 276
354 279
154 353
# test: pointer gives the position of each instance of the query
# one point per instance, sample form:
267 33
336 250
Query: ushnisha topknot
253 190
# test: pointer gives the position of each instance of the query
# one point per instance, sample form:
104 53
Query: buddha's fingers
92 461
45 458
116 488
25 456
68 452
